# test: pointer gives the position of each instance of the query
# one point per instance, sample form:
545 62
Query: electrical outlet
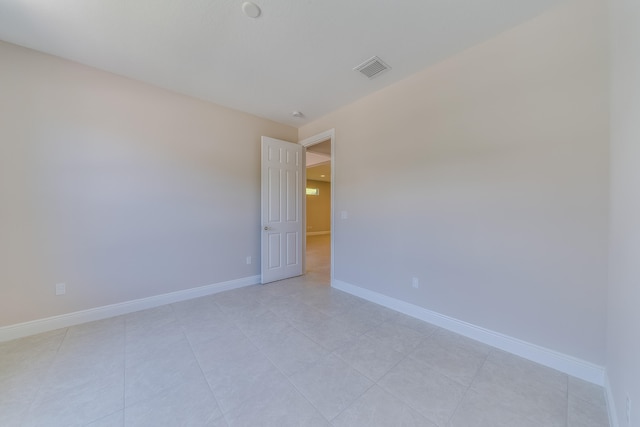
628 411
248 260
61 288
415 283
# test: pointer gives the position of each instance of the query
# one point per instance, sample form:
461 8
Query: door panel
292 248
282 176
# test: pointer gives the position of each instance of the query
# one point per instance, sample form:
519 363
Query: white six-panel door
282 189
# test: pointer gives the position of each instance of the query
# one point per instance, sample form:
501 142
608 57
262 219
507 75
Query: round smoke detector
250 9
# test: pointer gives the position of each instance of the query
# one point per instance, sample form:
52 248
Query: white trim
318 138
317 233
611 404
65 320
307 142
568 364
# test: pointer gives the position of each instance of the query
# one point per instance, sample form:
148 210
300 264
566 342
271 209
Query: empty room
320 213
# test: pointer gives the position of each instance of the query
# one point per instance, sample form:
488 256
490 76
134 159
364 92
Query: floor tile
36 352
113 420
370 356
534 398
585 414
13 413
238 380
377 408
109 325
331 385
287 306
91 355
149 373
458 362
189 404
201 331
360 319
202 308
527 372
220 422
263 327
140 341
16 394
282 406
375 311
283 287
293 351
590 393
223 350
423 327
191 313
238 303
306 316
330 334
485 410
83 375
402 339
76 407
33 344
427 391
142 322
332 303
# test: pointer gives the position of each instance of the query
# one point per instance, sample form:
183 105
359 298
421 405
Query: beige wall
623 338
119 189
490 172
319 207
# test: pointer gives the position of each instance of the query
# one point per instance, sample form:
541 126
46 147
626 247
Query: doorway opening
318 211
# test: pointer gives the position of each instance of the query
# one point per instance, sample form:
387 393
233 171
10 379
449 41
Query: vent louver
372 67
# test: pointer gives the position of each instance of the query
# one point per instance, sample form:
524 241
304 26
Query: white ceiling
298 55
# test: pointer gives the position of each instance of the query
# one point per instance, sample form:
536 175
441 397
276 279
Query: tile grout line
287 377
374 384
329 353
36 395
162 390
204 377
466 392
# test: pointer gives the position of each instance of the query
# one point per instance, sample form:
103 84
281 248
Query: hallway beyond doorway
319 258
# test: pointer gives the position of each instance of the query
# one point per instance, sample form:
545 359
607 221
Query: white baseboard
568 364
317 233
65 320
611 404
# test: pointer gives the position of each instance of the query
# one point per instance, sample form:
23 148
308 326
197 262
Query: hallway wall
319 207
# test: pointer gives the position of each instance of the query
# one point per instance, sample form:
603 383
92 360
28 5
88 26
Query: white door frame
308 142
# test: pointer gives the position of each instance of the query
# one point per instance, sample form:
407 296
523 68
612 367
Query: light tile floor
291 353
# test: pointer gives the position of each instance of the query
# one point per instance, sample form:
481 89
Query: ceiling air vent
372 67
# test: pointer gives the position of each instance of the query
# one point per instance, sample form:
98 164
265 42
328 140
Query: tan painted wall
490 172
319 207
119 189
